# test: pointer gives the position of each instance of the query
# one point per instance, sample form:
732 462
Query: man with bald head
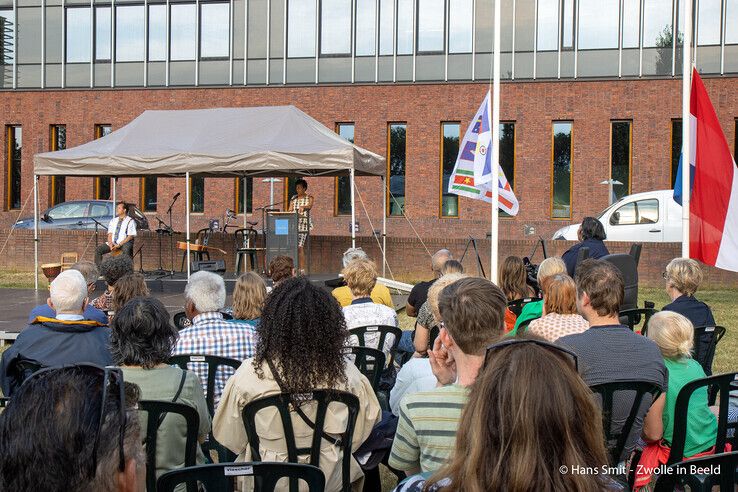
419 294
67 338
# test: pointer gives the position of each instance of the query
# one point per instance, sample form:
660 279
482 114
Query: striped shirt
426 431
210 334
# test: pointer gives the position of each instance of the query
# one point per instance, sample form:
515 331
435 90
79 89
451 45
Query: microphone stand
162 229
97 225
171 236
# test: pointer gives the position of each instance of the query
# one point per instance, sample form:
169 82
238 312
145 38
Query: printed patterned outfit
554 326
304 222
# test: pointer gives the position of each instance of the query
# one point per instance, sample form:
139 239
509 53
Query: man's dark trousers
105 249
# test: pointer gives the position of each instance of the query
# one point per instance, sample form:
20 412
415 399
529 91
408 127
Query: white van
650 217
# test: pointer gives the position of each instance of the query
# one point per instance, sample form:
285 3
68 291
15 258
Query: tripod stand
473 243
161 230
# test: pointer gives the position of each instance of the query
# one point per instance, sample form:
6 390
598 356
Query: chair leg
238 264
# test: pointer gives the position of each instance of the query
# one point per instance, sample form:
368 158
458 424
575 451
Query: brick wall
407 258
591 105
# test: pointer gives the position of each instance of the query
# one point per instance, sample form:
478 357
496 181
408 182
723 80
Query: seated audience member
380 293
300 342
674 334
532 310
112 269
683 277
416 374
520 437
48 435
210 334
142 340
591 235
66 339
560 317
514 279
248 299
361 275
472 310
452 266
280 268
90 272
419 293
608 351
126 288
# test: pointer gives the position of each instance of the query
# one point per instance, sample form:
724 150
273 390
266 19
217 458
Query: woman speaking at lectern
302 203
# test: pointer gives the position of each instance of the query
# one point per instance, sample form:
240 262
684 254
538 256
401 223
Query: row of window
276 41
561 168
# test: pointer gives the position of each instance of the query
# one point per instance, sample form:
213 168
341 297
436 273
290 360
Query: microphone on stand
176 196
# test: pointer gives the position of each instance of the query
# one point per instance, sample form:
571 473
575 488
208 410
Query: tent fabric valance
220 142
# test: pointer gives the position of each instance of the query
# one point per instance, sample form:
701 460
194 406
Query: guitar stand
139 253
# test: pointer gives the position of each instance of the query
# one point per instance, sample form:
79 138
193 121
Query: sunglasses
528 341
112 384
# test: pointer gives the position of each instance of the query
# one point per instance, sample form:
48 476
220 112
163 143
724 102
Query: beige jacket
245 386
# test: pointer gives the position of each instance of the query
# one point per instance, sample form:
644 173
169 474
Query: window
103 33
68 210
598 24
14 147
78 47
335 27
460 26
567 24
431 20
300 29
197 194
365 30
101 210
343 183
183 43
631 23
157 32
214 30
708 27
731 21
657 20
148 193
102 185
57 184
7 27
507 155
676 148
548 25
129 33
561 172
386 26
640 212
620 154
396 140
289 191
249 194
735 142
449 153
405 27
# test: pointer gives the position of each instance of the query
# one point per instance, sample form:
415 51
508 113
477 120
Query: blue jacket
597 249
52 342
91 313
695 311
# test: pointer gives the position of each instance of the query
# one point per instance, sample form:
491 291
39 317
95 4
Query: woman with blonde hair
683 277
548 267
249 295
674 334
560 317
525 438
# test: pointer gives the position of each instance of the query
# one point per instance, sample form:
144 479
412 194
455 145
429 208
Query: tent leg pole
495 124
35 231
115 191
187 213
353 209
384 228
245 190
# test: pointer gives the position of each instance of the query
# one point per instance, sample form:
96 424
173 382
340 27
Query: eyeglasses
665 275
527 341
112 383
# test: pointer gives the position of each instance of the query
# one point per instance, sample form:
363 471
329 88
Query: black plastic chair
706 339
383 331
213 362
723 463
19 370
246 246
582 255
202 238
633 317
369 361
156 413
4 402
434 332
517 305
628 267
181 321
616 439
223 477
283 402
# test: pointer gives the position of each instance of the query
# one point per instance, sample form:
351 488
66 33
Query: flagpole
495 145
686 123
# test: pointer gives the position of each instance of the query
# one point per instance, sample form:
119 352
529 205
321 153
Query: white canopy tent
237 142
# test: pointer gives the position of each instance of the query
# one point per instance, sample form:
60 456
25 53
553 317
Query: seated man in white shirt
121 232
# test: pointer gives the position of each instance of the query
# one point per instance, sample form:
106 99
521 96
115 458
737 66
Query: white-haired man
210 334
419 294
68 338
380 293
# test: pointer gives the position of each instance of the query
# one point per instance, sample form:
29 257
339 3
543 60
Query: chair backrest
434 332
203 236
616 439
633 317
223 477
635 252
369 361
709 471
155 414
19 370
582 255
517 305
722 383
4 401
181 321
629 269
706 339
382 330
283 403
213 362
245 238
68 259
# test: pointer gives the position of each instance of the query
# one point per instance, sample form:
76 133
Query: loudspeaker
217 266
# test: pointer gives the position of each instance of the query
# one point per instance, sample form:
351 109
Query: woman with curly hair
112 270
127 287
301 337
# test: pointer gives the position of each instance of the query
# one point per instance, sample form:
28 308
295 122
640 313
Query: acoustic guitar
182 245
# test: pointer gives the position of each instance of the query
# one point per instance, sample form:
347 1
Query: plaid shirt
210 334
